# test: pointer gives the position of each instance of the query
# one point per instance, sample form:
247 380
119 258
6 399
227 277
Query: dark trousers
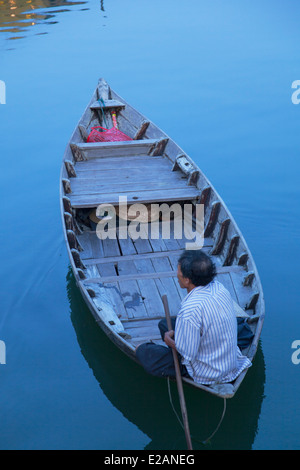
158 360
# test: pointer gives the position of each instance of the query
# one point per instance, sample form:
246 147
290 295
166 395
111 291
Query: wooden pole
178 379
114 118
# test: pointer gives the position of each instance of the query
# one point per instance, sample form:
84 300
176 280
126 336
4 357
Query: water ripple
17 17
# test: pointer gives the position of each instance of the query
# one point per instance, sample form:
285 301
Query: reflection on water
17 16
144 400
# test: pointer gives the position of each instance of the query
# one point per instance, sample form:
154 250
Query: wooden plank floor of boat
136 273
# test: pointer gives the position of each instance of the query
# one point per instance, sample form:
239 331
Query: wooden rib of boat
122 279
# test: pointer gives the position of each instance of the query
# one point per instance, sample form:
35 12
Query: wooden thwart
154 275
149 195
115 149
108 104
157 254
132 257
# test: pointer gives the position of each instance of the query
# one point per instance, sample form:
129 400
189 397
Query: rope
223 414
102 106
171 401
181 424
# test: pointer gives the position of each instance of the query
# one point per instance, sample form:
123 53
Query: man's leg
156 359
163 327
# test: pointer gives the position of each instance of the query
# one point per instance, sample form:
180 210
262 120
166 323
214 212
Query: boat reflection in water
144 400
18 16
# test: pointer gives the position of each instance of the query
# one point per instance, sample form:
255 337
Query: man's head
195 269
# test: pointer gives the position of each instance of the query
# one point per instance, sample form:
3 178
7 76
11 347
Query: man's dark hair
197 266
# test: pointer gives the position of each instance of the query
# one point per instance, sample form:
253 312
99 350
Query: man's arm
187 338
168 339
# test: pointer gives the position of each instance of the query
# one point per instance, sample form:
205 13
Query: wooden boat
122 279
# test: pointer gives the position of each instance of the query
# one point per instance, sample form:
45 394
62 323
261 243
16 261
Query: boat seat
107 104
155 275
112 169
127 148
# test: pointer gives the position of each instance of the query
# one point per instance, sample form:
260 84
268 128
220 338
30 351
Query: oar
178 379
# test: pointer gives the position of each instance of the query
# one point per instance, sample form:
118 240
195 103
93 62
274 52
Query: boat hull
122 280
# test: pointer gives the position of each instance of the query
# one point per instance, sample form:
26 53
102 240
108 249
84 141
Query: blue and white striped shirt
206 335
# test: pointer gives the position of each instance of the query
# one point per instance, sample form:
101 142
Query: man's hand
168 338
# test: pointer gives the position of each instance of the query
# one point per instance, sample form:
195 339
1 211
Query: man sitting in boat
205 329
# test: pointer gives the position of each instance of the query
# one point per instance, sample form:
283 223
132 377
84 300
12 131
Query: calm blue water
217 77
